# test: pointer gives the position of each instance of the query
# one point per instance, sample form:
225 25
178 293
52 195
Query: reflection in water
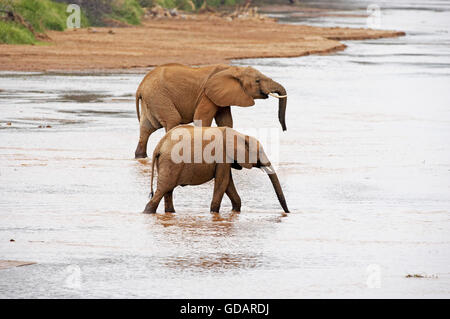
208 242
217 223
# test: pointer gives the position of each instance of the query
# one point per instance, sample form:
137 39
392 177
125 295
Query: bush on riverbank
127 11
42 15
14 33
38 16
103 12
189 5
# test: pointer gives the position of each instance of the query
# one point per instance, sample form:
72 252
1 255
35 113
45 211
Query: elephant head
245 151
241 85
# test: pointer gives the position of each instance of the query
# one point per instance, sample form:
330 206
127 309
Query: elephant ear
225 89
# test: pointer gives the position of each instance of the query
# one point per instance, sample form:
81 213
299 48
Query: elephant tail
138 97
154 160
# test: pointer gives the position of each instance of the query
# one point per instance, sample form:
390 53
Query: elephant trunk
277 187
282 101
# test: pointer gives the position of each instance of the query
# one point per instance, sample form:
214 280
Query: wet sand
200 41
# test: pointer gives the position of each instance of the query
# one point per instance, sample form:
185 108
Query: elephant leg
205 111
165 112
167 181
221 181
223 117
168 202
152 205
233 196
146 129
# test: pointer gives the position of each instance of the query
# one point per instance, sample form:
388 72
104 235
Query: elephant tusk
277 96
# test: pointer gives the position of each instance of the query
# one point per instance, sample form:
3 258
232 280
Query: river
364 164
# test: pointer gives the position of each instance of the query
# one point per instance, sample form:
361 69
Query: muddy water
365 165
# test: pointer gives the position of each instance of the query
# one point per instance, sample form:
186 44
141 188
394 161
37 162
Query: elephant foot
236 211
149 209
170 211
140 155
214 212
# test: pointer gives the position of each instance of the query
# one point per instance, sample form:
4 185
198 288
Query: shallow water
365 167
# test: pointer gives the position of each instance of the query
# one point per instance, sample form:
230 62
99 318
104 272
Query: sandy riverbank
203 40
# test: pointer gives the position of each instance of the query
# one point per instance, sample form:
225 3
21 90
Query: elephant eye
257 80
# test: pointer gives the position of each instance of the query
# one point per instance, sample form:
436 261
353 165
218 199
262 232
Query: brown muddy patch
5 264
88 113
38 123
433 276
82 97
214 262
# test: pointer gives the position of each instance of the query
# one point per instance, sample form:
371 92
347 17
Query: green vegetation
189 5
42 15
127 11
14 33
104 12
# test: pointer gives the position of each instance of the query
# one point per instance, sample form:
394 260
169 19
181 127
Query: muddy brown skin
175 94
172 174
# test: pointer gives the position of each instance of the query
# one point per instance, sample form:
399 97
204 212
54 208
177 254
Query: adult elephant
174 94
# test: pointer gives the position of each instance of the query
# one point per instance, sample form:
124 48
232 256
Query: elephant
174 94
229 149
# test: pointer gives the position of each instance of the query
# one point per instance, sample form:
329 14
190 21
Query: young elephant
189 155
